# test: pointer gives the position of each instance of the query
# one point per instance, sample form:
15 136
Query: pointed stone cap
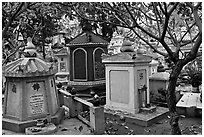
30 50
127 46
140 50
154 62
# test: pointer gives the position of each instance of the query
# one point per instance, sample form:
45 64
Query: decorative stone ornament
127 46
30 50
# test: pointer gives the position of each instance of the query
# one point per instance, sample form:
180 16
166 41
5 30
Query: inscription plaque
37 104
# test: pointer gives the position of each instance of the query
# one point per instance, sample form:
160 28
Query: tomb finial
30 50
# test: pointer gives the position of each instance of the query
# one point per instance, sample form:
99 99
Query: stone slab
190 105
142 119
190 99
47 130
16 126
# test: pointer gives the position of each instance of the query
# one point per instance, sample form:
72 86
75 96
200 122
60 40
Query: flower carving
36 86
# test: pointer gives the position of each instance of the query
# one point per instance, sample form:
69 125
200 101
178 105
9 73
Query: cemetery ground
115 126
189 126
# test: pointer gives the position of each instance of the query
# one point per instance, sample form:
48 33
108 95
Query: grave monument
30 92
86 68
63 56
127 80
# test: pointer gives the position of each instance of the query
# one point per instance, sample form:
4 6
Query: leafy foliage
194 71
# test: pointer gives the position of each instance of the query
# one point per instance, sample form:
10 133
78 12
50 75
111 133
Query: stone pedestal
127 81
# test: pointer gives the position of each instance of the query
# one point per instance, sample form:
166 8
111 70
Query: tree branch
90 19
155 10
187 31
161 8
196 16
164 28
154 49
40 25
145 14
5 29
138 26
17 48
192 55
190 41
173 8
175 41
117 15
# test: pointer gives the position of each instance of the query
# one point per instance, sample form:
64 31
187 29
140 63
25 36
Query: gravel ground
188 126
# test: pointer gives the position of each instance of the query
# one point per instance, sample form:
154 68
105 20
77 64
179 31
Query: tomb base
141 119
124 109
19 126
148 109
48 129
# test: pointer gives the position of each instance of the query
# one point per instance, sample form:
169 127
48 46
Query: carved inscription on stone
37 104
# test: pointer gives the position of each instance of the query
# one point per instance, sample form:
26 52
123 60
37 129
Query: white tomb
127 81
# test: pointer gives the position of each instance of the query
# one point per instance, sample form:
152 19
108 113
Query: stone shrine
30 92
63 59
127 80
153 67
86 68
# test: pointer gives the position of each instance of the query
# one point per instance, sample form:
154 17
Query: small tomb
63 59
127 80
86 68
30 92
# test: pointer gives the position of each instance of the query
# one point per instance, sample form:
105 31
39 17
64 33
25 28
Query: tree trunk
171 99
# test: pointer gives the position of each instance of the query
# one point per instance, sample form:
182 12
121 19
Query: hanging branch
90 19
161 8
17 48
157 20
190 41
145 14
38 29
188 31
192 55
138 26
10 20
117 15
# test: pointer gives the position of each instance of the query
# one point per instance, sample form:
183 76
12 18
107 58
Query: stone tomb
127 81
30 92
153 67
63 56
86 68
157 81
